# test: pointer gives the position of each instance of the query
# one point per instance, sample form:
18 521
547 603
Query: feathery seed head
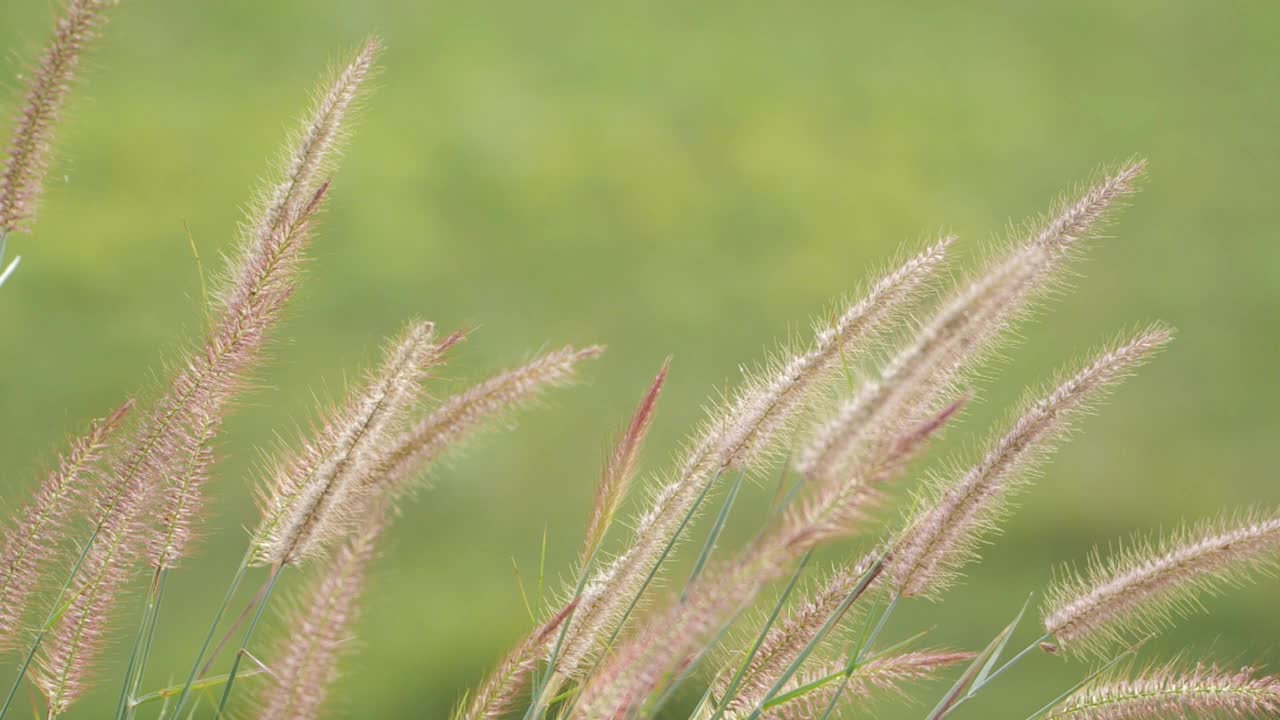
270 236
885 673
957 338
463 414
1142 588
259 283
31 146
317 494
945 532
836 509
496 696
786 640
306 661
39 529
1171 692
765 406
620 469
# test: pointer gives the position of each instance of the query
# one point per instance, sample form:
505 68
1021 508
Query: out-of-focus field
692 179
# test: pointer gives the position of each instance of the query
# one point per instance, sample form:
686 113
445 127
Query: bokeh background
694 179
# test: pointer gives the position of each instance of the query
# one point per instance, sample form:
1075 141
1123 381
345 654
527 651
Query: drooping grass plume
498 693
1141 588
959 336
620 470
39 530
305 664
788 639
887 673
466 412
31 144
944 533
316 494
733 437
765 405
307 166
664 644
833 510
1176 693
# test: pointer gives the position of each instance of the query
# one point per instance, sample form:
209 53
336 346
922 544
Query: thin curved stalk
244 644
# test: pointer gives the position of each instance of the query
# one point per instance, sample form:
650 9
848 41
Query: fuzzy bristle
305 664
316 494
887 673
463 414
963 332
620 470
31 146
1142 588
1176 693
945 532
40 528
500 690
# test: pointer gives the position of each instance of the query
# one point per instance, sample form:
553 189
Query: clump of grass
122 507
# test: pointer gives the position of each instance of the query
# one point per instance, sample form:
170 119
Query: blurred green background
696 179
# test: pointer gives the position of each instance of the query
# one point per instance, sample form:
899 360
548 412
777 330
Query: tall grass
125 504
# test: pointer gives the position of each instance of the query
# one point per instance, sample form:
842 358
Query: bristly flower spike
317 494
499 692
1202 691
259 282
620 470
957 338
306 663
1143 587
887 674
41 527
461 415
30 147
944 533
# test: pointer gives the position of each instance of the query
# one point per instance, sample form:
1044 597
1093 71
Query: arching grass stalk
167 694
714 535
741 672
693 665
13 264
978 669
141 645
653 573
983 682
248 635
855 658
185 694
1091 677
875 633
869 577
59 607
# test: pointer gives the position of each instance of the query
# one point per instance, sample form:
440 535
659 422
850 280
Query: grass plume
1172 692
1143 587
49 85
945 532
